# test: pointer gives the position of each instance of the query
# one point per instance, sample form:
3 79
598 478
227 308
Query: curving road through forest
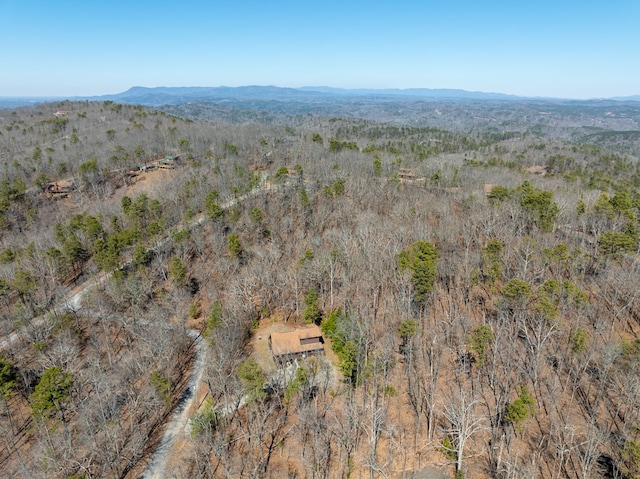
180 416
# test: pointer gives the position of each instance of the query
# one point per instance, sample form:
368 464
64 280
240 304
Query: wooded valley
476 286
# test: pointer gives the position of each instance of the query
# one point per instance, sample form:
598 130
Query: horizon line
632 97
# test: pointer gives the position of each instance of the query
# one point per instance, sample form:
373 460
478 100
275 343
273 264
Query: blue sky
559 48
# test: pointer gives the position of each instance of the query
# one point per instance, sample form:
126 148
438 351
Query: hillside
474 273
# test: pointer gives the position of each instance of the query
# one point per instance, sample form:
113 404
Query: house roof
65 183
291 342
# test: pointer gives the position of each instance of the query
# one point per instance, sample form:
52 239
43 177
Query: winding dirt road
178 424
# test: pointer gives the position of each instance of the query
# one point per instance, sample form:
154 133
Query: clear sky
556 48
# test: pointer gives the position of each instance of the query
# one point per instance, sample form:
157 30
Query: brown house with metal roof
296 344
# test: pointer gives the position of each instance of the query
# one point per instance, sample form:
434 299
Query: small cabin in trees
168 162
299 343
59 189
409 175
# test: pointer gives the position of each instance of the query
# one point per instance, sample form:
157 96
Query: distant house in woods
410 176
59 189
296 344
168 162
541 170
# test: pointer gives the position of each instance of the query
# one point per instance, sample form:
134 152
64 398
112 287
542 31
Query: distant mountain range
439 93
627 98
158 96
176 95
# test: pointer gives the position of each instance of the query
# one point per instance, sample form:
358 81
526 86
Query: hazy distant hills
415 93
161 96
176 95
158 96
18 101
627 98
611 123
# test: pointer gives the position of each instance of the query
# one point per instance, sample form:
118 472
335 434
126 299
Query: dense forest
477 289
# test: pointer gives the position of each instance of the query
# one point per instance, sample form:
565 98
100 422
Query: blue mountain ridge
158 96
